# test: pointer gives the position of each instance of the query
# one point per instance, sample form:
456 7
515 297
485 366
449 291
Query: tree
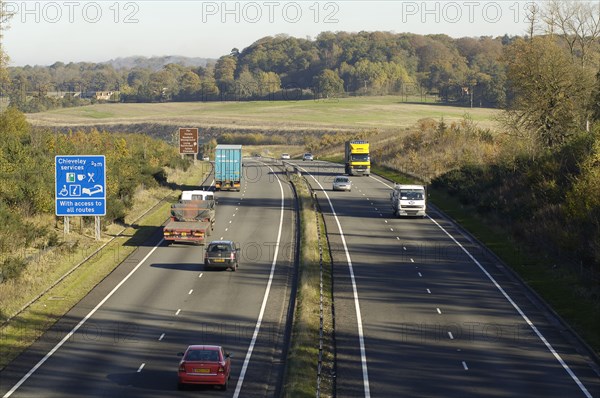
190 84
550 93
246 84
577 23
225 68
268 83
328 83
5 17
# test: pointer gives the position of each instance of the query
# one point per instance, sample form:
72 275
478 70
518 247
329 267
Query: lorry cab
409 200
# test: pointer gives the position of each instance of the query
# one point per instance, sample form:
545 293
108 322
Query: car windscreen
411 194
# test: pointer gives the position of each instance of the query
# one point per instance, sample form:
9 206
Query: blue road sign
80 185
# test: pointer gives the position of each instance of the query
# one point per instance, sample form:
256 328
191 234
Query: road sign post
80 186
188 141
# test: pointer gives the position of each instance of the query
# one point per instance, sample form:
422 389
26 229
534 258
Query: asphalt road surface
423 311
131 326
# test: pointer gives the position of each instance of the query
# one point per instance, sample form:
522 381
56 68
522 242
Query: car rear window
202 355
219 248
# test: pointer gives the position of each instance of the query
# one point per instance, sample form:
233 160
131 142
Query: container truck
408 200
357 158
228 167
192 218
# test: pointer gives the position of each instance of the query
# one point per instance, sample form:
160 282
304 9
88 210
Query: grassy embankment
48 267
301 377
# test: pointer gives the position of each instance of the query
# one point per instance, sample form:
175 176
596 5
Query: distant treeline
465 70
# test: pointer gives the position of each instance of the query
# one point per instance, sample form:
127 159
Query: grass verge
30 324
301 374
561 289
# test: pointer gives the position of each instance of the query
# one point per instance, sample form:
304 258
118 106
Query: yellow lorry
357 159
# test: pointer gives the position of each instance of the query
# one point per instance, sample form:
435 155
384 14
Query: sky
43 32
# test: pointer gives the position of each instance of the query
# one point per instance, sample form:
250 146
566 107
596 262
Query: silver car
342 183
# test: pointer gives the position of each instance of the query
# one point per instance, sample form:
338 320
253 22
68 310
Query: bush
11 268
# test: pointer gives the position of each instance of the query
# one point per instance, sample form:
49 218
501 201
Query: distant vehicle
357 158
307 156
222 254
257 155
285 156
204 364
228 167
206 158
192 218
342 183
408 200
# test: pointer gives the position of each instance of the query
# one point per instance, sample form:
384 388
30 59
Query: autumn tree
190 85
578 24
5 17
549 91
328 84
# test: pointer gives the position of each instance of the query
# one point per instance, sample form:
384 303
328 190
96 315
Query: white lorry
409 200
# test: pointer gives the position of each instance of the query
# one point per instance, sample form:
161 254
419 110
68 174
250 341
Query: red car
204 364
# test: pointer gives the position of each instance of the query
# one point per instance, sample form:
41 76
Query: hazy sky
43 32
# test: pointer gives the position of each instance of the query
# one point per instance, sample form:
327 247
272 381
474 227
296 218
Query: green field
354 113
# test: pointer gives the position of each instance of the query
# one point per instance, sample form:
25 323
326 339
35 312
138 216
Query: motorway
423 311
130 328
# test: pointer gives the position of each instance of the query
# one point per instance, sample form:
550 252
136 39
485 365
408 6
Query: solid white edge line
84 320
361 338
240 381
515 306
